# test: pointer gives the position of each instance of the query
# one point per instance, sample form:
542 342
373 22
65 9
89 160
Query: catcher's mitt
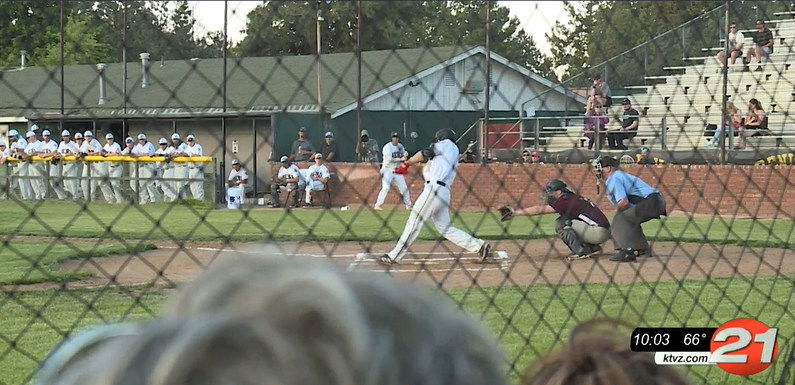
506 213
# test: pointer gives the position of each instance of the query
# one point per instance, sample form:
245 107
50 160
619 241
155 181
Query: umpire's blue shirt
620 185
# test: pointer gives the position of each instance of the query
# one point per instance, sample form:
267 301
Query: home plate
500 257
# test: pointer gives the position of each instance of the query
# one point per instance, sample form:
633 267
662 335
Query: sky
536 17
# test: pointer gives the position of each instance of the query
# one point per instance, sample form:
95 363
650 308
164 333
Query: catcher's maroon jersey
576 207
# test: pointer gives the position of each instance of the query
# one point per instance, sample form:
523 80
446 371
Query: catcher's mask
552 186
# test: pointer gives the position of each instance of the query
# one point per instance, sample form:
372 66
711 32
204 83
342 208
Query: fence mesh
532 90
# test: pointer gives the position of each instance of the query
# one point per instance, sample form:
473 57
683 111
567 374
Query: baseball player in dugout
434 202
635 202
581 225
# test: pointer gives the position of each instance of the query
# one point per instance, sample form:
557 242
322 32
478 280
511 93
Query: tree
82 44
288 28
27 25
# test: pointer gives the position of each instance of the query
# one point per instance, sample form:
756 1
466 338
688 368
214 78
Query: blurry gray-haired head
276 321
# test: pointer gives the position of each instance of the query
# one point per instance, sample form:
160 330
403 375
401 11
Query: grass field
202 223
33 262
690 303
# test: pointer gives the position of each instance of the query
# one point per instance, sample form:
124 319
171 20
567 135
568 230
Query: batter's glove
506 213
402 169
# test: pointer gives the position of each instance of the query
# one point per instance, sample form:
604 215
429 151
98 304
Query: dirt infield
442 264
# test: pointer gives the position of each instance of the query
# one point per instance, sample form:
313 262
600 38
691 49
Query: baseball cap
2 144
329 134
175 136
162 141
141 136
13 133
608 161
302 129
191 137
364 132
128 140
284 159
30 134
626 101
45 133
235 161
394 134
34 127
644 149
65 133
78 135
318 155
88 134
109 136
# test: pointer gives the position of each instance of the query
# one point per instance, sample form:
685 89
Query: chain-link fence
532 92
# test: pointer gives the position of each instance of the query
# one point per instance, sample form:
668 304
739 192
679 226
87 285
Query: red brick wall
746 191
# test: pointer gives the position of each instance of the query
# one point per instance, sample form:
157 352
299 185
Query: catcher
581 225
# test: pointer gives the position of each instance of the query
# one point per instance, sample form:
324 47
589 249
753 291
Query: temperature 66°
693 339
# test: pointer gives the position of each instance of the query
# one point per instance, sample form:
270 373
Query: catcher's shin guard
570 238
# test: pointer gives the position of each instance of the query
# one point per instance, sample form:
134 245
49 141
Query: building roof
259 85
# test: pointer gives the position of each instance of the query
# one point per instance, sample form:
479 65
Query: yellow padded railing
119 158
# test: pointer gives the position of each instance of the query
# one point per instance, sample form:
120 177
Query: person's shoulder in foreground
268 319
597 352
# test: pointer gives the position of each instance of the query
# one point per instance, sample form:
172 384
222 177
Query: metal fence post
536 134
664 133
137 180
90 180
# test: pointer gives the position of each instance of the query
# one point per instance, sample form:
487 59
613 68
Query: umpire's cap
556 185
607 161
445 133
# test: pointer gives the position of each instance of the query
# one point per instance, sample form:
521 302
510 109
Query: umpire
635 202
581 225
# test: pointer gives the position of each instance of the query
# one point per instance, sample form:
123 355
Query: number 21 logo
744 346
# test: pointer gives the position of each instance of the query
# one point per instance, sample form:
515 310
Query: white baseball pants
434 204
56 181
71 173
388 178
37 175
196 184
313 185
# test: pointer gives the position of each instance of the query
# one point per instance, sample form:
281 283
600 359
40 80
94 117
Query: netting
96 233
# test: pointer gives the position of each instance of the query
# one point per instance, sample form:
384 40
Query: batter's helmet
556 185
445 133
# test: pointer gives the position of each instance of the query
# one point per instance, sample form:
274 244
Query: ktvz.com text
682 358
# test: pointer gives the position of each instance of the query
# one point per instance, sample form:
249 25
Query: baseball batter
434 202
394 154
635 202
581 225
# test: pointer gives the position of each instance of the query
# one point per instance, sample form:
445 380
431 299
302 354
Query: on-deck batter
394 154
434 202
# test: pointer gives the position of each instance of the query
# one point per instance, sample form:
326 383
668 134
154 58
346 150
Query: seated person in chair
291 179
629 127
318 177
238 177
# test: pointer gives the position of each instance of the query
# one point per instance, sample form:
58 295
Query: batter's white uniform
147 174
195 172
319 171
53 169
392 158
92 171
434 203
69 171
36 172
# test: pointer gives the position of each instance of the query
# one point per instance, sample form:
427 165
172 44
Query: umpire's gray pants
626 230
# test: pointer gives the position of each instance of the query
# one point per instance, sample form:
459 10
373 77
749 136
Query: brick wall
745 191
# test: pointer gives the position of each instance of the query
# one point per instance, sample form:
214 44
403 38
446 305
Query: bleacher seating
676 108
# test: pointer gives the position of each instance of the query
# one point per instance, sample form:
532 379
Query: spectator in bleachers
629 127
601 92
736 42
595 120
598 353
734 119
329 148
753 123
644 157
763 44
531 157
469 155
368 148
302 148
